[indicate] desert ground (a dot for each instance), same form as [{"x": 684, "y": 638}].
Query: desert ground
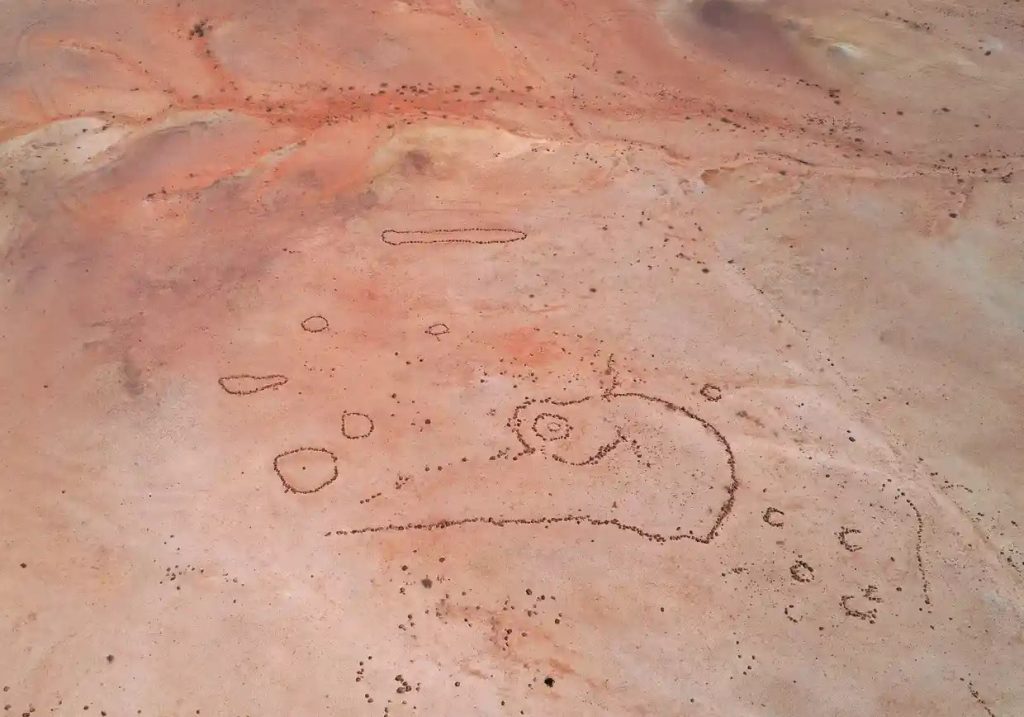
[{"x": 512, "y": 357}]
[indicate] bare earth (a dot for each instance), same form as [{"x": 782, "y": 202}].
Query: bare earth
[{"x": 501, "y": 357}]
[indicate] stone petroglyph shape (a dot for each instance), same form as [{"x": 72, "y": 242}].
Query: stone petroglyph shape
[
  {"x": 770, "y": 518},
  {"x": 306, "y": 470},
  {"x": 551, "y": 427},
  {"x": 315, "y": 324},
  {"x": 437, "y": 330},
  {"x": 801, "y": 572},
  {"x": 711, "y": 392},
  {"x": 245, "y": 384},
  {"x": 356, "y": 425},
  {"x": 470, "y": 235},
  {"x": 844, "y": 539},
  {"x": 870, "y": 593}
]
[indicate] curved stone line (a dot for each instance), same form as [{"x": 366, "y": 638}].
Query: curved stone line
[
  {"x": 801, "y": 571},
  {"x": 599, "y": 454},
  {"x": 768, "y": 516},
  {"x": 711, "y": 392},
  {"x": 451, "y": 236},
  {"x": 578, "y": 518},
  {"x": 925, "y": 584},
  {"x": 844, "y": 539},
  {"x": 561, "y": 432}
]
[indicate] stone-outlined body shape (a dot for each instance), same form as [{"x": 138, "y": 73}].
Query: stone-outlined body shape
[
  {"x": 543, "y": 429},
  {"x": 245, "y": 384},
  {"x": 657, "y": 434},
  {"x": 469, "y": 235}
]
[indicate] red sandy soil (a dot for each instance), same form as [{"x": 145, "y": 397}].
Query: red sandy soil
[{"x": 501, "y": 357}]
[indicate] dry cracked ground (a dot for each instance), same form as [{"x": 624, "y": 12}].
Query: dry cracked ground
[{"x": 512, "y": 357}]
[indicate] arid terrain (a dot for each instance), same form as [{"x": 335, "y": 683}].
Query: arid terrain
[{"x": 512, "y": 357}]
